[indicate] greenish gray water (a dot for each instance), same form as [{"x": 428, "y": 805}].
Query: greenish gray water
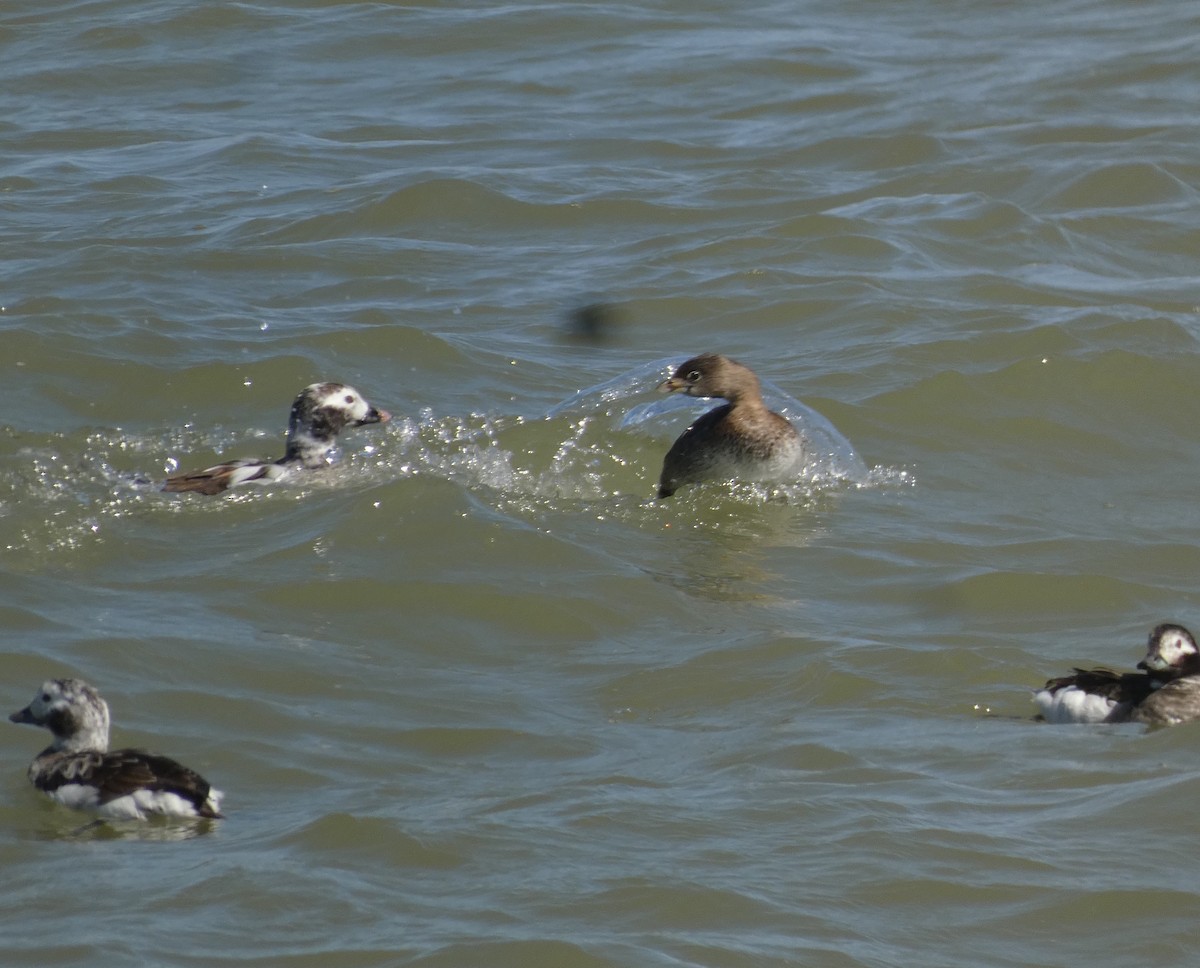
[{"x": 474, "y": 699}]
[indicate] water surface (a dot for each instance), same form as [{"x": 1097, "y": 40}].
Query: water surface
[{"x": 474, "y": 697}]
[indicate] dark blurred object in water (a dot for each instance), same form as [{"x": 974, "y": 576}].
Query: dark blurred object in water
[{"x": 595, "y": 322}]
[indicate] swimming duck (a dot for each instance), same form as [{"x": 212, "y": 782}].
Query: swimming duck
[
  {"x": 318, "y": 415},
  {"x": 742, "y": 439},
  {"x": 1166, "y": 692},
  {"x": 79, "y": 771}
]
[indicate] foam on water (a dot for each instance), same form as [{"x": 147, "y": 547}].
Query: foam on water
[{"x": 600, "y": 449}]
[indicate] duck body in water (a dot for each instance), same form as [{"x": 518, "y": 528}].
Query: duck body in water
[
  {"x": 318, "y": 415},
  {"x": 742, "y": 440}
]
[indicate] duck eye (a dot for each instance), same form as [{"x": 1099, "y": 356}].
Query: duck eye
[
  {"x": 693, "y": 376},
  {"x": 349, "y": 398},
  {"x": 45, "y": 697}
]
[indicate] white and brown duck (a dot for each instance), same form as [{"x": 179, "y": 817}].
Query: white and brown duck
[
  {"x": 741, "y": 440},
  {"x": 78, "y": 770},
  {"x": 319, "y": 414},
  {"x": 1166, "y": 692}
]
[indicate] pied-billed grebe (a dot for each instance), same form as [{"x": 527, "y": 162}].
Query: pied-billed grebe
[
  {"x": 1165, "y": 693},
  {"x": 742, "y": 439},
  {"x": 318, "y": 415},
  {"x": 78, "y": 771}
]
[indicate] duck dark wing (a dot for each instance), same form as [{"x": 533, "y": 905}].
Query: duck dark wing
[
  {"x": 200, "y": 482},
  {"x": 66, "y": 769},
  {"x": 215, "y": 480},
  {"x": 1121, "y": 687},
  {"x": 122, "y": 772},
  {"x": 695, "y": 451}
]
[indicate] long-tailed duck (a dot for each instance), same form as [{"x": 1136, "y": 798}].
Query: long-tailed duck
[
  {"x": 79, "y": 771},
  {"x": 742, "y": 439},
  {"x": 1165, "y": 693},
  {"x": 318, "y": 415}
]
